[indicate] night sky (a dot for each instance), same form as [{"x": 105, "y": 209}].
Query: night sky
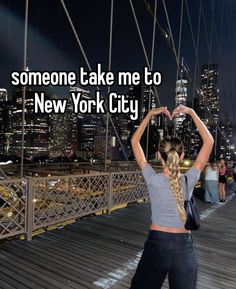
[{"x": 52, "y": 45}]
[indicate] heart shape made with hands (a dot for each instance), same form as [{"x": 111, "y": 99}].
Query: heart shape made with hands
[{"x": 178, "y": 110}]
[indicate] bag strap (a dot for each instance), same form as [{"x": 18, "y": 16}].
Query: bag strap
[{"x": 186, "y": 183}]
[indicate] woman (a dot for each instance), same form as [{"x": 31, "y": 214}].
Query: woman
[
  {"x": 211, "y": 183},
  {"x": 169, "y": 248},
  {"x": 234, "y": 176},
  {"x": 222, "y": 179}
]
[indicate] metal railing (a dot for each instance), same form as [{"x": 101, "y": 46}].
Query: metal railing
[
  {"x": 29, "y": 204},
  {"x": 127, "y": 187},
  {"x": 12, "y": 207}
]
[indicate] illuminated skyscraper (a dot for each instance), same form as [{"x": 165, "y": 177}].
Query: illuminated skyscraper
[
  {"x": 209, "y": 100},
  {"x": 181, "y": 94},
  {"x": 36, "y": 140},
  {"x": 225, "y": 149},
  {"x": 57, "y": 133},
  {"x": 5, "y": 123},
  {"x": 209, "y": 95},
  {"x": 87, "y": 127}
]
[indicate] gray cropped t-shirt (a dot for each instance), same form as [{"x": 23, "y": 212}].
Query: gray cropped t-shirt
[{"x": 163, "y": 204}]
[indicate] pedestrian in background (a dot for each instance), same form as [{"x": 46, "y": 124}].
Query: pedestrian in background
[
  {"x": 211, "y": 183},
  {"x": 222, "y": 179},
  {"x": 234, "y": 177}
]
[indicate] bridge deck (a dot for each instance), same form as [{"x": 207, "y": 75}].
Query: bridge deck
[{"x": 103, "y": 251}]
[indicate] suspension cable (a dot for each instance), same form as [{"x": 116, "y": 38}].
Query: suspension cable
[
  {"x": 219, "y": 44},
  {"x": 221, "y": 28},
  {"x": 172, "y": 40},
  {"x": 152, "y": 60},
  {"x": 197, "y": 47},
  {"x": 143, "y": 45},
  {"x": 180, "y": 33},
  {"x": 205, "y": 28},
  {"x": 191, "y": 29},
  {"x": 179, "y": 48},
  {"x": 210, "y": 43},
  {"x": 170, "y": 32},
  {"x": 230, "y": 65},
  {"x": 109, "y": 88},
  {"x": 24, "y": 88},
  {"x": 196, "y": 66},
  {"x": 90, "y": 69}
]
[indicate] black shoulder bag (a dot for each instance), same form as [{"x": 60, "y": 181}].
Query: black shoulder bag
[{"x": 192, "y": 212}]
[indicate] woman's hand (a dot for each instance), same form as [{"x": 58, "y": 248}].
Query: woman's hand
[
  {"x": 159, "y": 110},
  {"x": 181, "y": 109}
]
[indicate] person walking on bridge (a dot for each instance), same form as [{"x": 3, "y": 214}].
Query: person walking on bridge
[
  {"x": 169, "y": 248},
  {"x": 211, "y": 183},
  {"x": 223, "y": 169}
]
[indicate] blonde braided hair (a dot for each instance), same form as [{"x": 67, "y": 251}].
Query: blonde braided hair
[{"x": 171, "y": 149}]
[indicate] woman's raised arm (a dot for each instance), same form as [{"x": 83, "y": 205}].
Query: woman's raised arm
[
  {"x": 206, "y": 136},
  {"x": 135, "y": 141}
]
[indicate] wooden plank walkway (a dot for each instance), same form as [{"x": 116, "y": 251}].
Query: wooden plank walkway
[{"x": 103, "y": 251}]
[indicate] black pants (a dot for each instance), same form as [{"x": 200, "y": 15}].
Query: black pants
[{"x": 167, "y": 253}]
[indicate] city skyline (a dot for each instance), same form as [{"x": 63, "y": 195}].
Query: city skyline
[
  {"x": 51, "y": 44},
  {"x": 78, "y": 135}
]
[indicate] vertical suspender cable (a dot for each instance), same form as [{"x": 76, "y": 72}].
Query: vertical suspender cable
[
  {"x": 180, "y": 34},
  {"x": 211, "y": 36},
  {"x": 9, "y": 36},
  {"x": 197, "y": 47},
  {"x": 173, "y": 48},
  {"x": 90, "y": 69},
  {"x": 152, "y": 60},
  {"x": 76, "y": 34},
  {"x": 170, "y": 31},
  {"x": 179, "y": 47},
  {"x": 229, "y": 47},
  {"x": 209, "y": 62},
  {"x": 221, "y": 27},
  {"x": 208, "y": 43},
  {"x": 219, "y": 55},
  {"x": 205, "y": 28},
  {"x": 24, "y": 88},
  {"x": 109, "y": 88},
  {"x": 143, "y": 46},
  {"x": 140, "y": 34},
  {"x": 220, "y": 48},
  {"x": 172, "y": 40},
  {"x": 195, "y": 71}
]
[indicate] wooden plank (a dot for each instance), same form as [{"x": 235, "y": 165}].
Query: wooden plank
[{"x": 105, "y": 247}]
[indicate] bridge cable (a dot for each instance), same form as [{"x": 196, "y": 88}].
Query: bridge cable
[
  {"x": 90, "y": 69},
  {"x": 169, "y": 26},
  {"x": 196, "y": 66},
  {"x": 109, "y": 88},
  {"x": 152, "y": 60},
  {"x": 172, "y": 48},
  {"x": 24, "y": 88},
  {"x": 143, "y": 45},
  {"x": 179, "y": 48},
  {"x": 230, "y": 63}
]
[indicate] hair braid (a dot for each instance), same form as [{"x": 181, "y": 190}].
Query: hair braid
[
  {"x": 171, "y": 149},
  {"x": 175, "y": 181}
]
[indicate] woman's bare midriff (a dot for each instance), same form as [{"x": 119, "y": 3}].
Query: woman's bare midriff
[{"x": 169, "y": 229}]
